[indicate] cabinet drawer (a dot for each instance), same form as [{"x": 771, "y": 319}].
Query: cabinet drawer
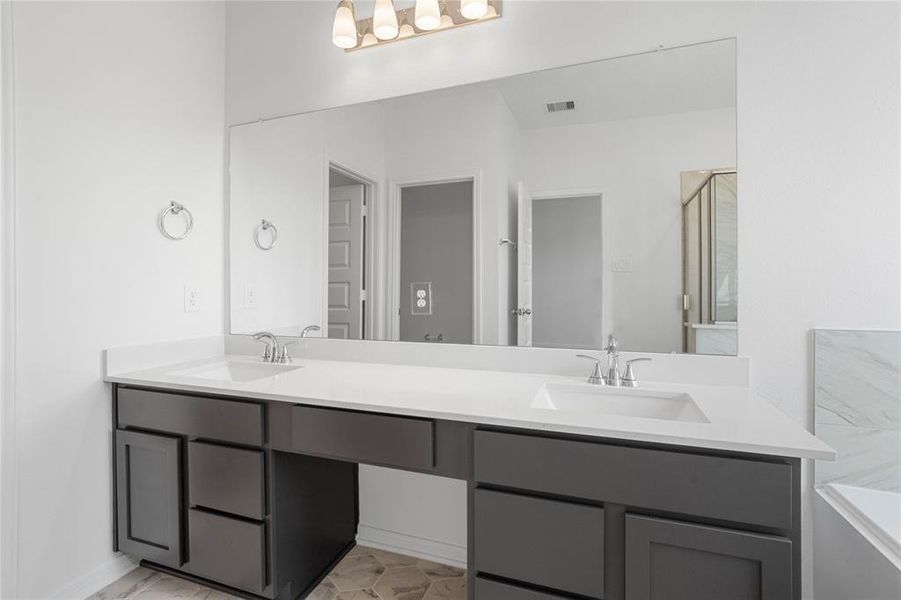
[
  {"x": 487, "y": 589},
  {"x": 226, "y": 479},
  {"x": 732, "y": 489},
  {"x": 210, "y": 418},
  {"x": 363, "y": 437},
  {"x": 230, "y": 551},
  {"x": 553, "y": 544}
]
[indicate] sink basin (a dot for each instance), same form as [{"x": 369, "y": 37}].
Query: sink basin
[
  {"x": 237, "y": 371},
  {"x": 596, "y": 400}
]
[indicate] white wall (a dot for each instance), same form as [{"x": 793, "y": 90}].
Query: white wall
[
  {"x": 279, "y": 171},
  {"x": 818, "y": 135},
  {"x": 635, "y": 163},
  {"x": 118, "y": 109}
]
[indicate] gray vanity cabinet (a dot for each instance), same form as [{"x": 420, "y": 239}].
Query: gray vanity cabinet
[
  {"x": 670, "y": 560},
  {"x": 148, "y": 496}
]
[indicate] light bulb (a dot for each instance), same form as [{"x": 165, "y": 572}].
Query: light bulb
[
  {"x": 446, "y": 21},
  {"x": 384, "y": 20},
  {"x": 473, "y": 9},
  {"x": 344, "y": 29},
  {"x": 428, "y": 15}
]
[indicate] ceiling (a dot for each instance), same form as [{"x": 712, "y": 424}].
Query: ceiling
[{"x": 690, "y": 78}]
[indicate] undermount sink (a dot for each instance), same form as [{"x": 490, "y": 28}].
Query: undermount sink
[
  {"x": 645, "y": 404},
  {"x": 238, "y": 371}
]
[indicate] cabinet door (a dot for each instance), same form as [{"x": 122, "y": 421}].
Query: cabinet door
[
  {"x": 670, "y": 560},
  {"x": 148, "y": 496}
]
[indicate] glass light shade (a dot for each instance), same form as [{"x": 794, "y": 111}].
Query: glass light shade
[
  {"x": 369, "y": 39},
  {"x": 491, "y": 12},
  {"x": 428, "y": 15},
  {"x": 473, "y": 9},
  {"x": 344, "y": 28},
  {"x": 406, "y": 30},
  {"x": 384, "y": 20},
  {"x": 446, "y": 21}
]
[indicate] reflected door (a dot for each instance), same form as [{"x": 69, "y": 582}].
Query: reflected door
[
  {"x": 524, "y": 269},
  {"x": 345, "y": 262}
]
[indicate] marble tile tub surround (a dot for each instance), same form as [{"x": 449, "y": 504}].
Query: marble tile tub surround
[
  {"x": 857, "y": 391},
  {"x": 364, "y": 574}
]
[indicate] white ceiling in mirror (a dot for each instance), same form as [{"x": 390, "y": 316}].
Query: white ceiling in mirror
[{"x": 699, "y": 77}]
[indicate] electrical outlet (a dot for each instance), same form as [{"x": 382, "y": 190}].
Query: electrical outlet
[
  {"x": 192, "y": 298},
  {"x": 622, "y": 265},
  {"x": 250, "y": 296}
]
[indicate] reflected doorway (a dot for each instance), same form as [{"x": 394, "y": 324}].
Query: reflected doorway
[
  {"x": 348, "y": 202},
  {"x": 437, "y": 300}
]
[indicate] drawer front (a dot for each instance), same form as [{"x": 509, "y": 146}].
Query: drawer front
[
  {"x": 210, "y": 418},
  {"x": 230, "y": 551},
  {"x": 226, "y": 479},
  {"x": 553, "y": 544},
  {"x": 487, "y": 589},
  {"x": 743, "y": 491},
  {"x": 364, "y": 437}
]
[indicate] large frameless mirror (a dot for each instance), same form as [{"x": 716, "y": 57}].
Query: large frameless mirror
[{"x": 549, "y": 209}]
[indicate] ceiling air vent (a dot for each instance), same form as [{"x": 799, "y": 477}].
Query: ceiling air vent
[{"x": 558, "y": 106}]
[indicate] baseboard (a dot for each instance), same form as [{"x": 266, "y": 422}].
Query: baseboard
[
  {"x": 411, "y": 545},
  {"x": 96, "y": 580}
]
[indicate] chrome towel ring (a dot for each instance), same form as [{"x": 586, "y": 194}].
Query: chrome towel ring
[
  {"x": 273, "y": 235},
  {"x": 176, "y": 209}
]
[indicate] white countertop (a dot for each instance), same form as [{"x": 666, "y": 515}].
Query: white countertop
[{"x": 738, "y": 420}]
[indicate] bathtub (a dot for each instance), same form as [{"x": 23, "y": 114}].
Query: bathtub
[{"x": 857, "y": 544}]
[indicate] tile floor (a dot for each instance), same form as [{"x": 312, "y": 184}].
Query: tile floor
[{"x": 364, "y": 574}]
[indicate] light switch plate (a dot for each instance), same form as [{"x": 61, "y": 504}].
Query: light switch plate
[
  {"x": 192, "y": 298},
  {"x": 250, "y": 296},
  {"x": 622, "y": 265},
  {"x": 421, "y": 298}
]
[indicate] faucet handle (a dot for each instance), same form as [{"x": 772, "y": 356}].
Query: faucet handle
[
  {"x": 595, "y": 378},
  {"x": 285, "y": 357},
  {"x": 629, "y": 379}
]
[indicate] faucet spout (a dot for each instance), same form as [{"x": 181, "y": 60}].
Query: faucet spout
[{"x": 271, "y": 352}]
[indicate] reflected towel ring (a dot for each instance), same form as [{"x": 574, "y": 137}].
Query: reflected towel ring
[
  {"x": 265, "y": 226},
  {"x": 175, "y": 208}
]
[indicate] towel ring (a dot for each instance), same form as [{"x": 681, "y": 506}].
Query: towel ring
[
  {"x": 264, "y": 226},
  {"x": 175, "y": 208}
]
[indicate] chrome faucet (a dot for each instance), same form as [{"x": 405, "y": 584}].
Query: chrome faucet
[
  {"x": 308, "y": 329},
  {"x": 612, "y": 376},
  {"x": 270, "y": 354}
]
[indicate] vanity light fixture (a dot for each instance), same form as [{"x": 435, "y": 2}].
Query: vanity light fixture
[
  {"x": 388, "y": 24},
  {"x": 384, "y": 20}
]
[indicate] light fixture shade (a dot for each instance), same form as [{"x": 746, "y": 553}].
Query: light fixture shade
[
  {"x": 446, "y": 21},
  {"x": 344, "y": 28},
  {"x": 384, "y": 20},
  {"x": 428, "y": 15},
  {"x": 406, "y": 30},
  {"x": 473, "y": 9}
]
